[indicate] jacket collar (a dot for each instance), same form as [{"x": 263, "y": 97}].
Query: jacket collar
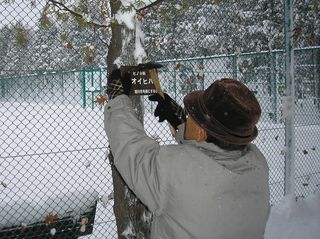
[{"x": 211, "y": 149}]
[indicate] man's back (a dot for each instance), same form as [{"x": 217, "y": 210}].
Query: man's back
[
  {"x": 195, "y": 190},
  {"x": 212, "y": 193}
]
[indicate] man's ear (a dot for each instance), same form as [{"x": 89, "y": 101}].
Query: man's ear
[{"x": 202, "y": 135}]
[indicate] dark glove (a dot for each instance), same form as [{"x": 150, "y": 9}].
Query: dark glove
[
  {"x": 118, "y": 84},
  {"x": 168, "y": 109}
]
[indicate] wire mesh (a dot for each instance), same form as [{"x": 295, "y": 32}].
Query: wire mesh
[
  {"x": 53, "y": 165},
  {"x": 263, "y": 73},
  {"x": 307, "y": 168},
  {"x": 55, "y": 180}
]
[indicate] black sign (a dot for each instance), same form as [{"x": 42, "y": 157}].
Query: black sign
[{"x": 142, "y": 83}]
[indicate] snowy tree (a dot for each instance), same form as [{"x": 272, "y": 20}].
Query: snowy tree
[
  {"x": 306, "y": 23},
  {"x": 215, "y": 27},
  {"x": 15, "y": 43}
]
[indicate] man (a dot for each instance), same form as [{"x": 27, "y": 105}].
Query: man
[{"x": 214, "y": 184}]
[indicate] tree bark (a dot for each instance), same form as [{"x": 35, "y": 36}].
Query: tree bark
[{"x": 133, "y": 219}]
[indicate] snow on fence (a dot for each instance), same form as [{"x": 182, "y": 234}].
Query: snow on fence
[{"x": 53, "y": 147}]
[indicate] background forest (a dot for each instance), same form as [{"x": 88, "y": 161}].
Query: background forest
[{"x": 205, "y": 28}]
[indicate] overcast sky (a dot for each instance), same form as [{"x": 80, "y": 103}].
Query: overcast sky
[{"x": 20, "y": 10}]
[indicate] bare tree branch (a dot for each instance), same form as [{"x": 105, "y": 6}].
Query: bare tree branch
[
  {"x": 74, "y": 13},
  {"x": 63, "y": 7},
  {"x": 150, "y": 5}
]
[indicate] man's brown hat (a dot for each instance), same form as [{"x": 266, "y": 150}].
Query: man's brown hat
[{"x": 227, "y": 110}]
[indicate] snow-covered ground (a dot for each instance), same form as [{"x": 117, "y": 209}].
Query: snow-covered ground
[
  {"x": 291, "y": 219},
  {"x": 53, "y": 160}
]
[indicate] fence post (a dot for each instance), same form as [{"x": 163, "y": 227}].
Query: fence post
[
  {"x": 273, "y": 77},
  {"x": 316, "y": 62},
  {"x": 203, "y": 75},
  {"x": 3, "y": 92},
  {"x": 92, "y": 85},
  {"x": 84, "y": 105},
  {"x": 289, "y": 187},
  {"x": 175, "y": 82},
  {"x": 235, "y": 68}
]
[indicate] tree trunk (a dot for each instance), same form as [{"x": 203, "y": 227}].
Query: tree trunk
[{"x": 133, "y": 219}]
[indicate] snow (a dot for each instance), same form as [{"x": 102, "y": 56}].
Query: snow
[
  {"x": 59, "y": 176},
  {"x": 291, "y": 219},
  {"x": 139, "y": 52},
  {"x": 47, "y": 162},
  {"x": 136, "y": 3},
  {"x": 127, "y": 18},
  {"x": 22, "y": 210},
  {"x": 127, "y": 15},
  {"x": 53, "y": 231},
  {"x": 128, "y": 232}
]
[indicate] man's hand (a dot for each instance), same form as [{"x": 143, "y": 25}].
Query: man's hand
[
  {"x": 168, "y": 109},
  {"x": 118, "y": 84}
]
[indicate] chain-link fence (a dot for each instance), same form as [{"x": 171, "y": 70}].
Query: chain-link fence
[
  {"x": 263, "y": 73},
  {"x": 307, "y": 121},
  {"x": 53, "y": 166},
  {"x": 55, "y": 179}
]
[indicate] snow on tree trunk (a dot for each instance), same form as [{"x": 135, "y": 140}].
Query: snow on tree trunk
[{"x": 133, "y": 219}]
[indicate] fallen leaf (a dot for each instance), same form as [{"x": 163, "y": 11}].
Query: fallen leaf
[
  {"x": 69, "y": 45},
  {"x": 200, "y": 77},
  {"x": 177, "y": 66},
  {"x": 249, "y": 65},
  {"x": 143, "y": 13},
  {"x": 189, "y": 82},
  {"x": 310, "y": 40},
  {"x": 139, "y": 18},
  {"x": 277, "y": 137},
  {"x": 100, "y": 100},
  {"x": 51, "y": 219}
]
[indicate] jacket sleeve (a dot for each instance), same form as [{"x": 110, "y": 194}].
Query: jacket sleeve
[{"x": 136, "y": 156}]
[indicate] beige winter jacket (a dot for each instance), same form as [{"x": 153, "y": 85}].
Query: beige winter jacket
[{"x": 196, "y": 189}]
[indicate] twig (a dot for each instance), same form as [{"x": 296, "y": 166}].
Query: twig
[
  {"x": 150, "y": 5},
  {"x": 65, "y": 8}
]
